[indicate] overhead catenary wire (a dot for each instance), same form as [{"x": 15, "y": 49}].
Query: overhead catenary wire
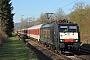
[{"x": 69, "y": 3}]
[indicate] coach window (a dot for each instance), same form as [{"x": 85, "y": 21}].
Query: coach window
[
  {"x": 34, "y": 31},
  {"x": 37, "y": 32},
  {"x": 29, "y": 32}
]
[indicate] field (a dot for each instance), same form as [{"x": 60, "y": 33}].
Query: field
[{"x": 13, "y": 49}]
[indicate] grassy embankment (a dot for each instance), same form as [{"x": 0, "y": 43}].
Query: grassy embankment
[{"x": 13, "y": 49}]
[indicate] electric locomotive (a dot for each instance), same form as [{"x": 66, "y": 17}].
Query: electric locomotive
[{"x": 60, "y": 35}]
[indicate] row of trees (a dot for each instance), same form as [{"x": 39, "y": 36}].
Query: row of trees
[
  {"x": 44, "y": 18},
  {"x": 6, "y": 17},
  {"x": 80, "y": 14},
  {"x": 27, "y": 22}
]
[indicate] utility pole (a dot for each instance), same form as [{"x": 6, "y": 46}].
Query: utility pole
[
  {"x": 21, "y": 21},
  {"x": 22, "y": 17},
  {"x": 29, "y": 21}
]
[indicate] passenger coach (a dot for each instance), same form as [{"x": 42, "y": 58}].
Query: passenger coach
[{"x": 34, "y": 32}]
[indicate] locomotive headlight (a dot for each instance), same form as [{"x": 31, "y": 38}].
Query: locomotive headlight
[
  {"x": 61, "y": 40},
  {"x": 76, "y": 40}
]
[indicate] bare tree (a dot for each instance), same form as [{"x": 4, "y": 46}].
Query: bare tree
[
  {"x": 60, "y": 14},
  {"x": 43, "y": 18}
]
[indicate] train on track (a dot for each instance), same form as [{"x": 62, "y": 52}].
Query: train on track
[{"x": 60, "y": 35}]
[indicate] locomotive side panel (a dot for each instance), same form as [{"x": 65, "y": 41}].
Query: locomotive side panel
[
  {"x": 45, "y": 33},
  {"x": 46, "y": 37}
]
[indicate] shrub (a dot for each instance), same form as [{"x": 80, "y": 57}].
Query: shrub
[{"x": 3, "y": 37}]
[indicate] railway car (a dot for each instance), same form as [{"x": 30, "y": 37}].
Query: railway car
[
  {"x": 60, "y": 35},
  {"x": 18, "y": 32},
  {"x": 34, "y": 32},
  {"x": 23, "y": 33}
]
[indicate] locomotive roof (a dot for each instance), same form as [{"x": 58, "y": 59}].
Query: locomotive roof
[
  {"x": 67, "y": 23},
  {"x": 48, "y": 25}
]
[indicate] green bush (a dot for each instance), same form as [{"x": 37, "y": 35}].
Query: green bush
[{"x": 3, "y": 37}]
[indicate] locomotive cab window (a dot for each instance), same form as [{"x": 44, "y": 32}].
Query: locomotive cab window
[
  {"x": 63, "y": 28},
  {"x": 69, "y": 28},
  {"x": 72, "y": 28}
]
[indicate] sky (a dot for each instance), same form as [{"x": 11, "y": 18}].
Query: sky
[{"x": 33, "y": 8}]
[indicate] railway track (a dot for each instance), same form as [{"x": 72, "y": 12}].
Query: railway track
[
  {"x": 48, "y": 54},
  {"x": 85, "y": 50},
  {"x": 83, "y": 54},
  {"x": 51, "y": 54}
]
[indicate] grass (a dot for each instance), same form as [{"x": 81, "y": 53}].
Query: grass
[{"x": 13, "y": 49}]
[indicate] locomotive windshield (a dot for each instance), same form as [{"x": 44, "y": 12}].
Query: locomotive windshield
[
  {"x": 63, "y": 28},
  {"x": 72, "y": 28},
  {"x": 68, "y": 28}
]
